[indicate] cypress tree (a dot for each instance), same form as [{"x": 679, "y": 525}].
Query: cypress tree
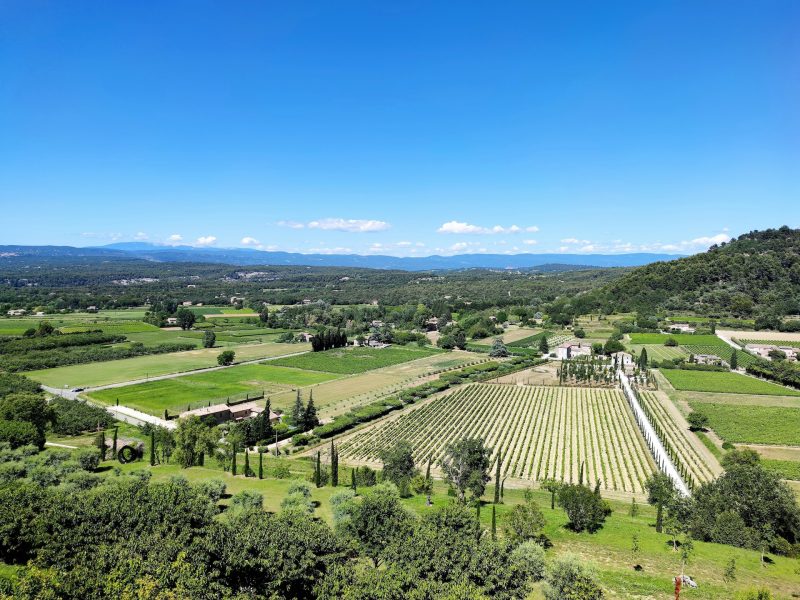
[
  {"x": 497, "y": 480},
  {"x": 494, "y": 523},
  {"x": 310, "y": 419},
  {"x": 152, "y": 448},
  {"x": 318, "y": 471},
  {"x": 233, "y": 463},
  {"x": 260, "y": 464},
  {"x": 353, "y": 480},
  {"x": 334, "y": 477},
  {"x": 502, "y": 488},
  {"x": 297, "y": 411},
  {"x": 580, "y": 474},
  {"x": 246, "y": 463},
  {"x": 100, "y": 442},
  {"x": 114, "y": 446},
  {"x": 266, "y": 425},
  {"x": 734, "y": 360},
  {"x": 201, "y": 461}
]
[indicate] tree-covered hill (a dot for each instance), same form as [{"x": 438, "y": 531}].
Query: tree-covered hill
[{"x": 756, "y": 274}]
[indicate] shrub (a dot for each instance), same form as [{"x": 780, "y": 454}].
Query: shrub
[
  {"x": 248, "y": 500},
  {"x": 226, "y": 357},
  {"x": 19, "y": 433},
  {"x": 586, "y": 509},
  {"x": 569, "y": 578},
  {"x": 73, "y": 416},
  {"x": 88, "y": 458},
  {"x": 528, "y": 559},
  {"x": 213, "y": 488}
]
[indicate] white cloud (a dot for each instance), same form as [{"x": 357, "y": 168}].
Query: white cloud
[
  {"x": 530, "y": 242},
  {"x": 141, "y": 236},
  {"x": 175, "y": 238},
  {"x": 206, "y": 240},
  {"x": 574, "y": 241},
  {"x": 349, "y": 225},
  {"x": 290, "y": 224},
  {"x": 720, "y": 238},
  {"x": 458, "y": 247},
  {"x": 249, "y": 241},
  {"x": 460, "y": 227},
  {"x": 329, "y": 251}
]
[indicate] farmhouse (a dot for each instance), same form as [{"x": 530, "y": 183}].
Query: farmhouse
[
  {"x": 172, "y": 320},
  {"x": 222, "y": 413},
  {"x": 305, "y": 336},
  {"x": 432, "y": 324},
  {"x": 682, "y": 328},
  {"x": 186, "y": 303},
  {"x": 622, "y": 359},
  {"x": 569, "y": 350},
  {"x": 763, "y": 350},
  {"x": 709, "y": 359},
  {"x": 235, "y": 299},
  {"x": 91, "y": 309},
  {"x": 17, "y": 312}
]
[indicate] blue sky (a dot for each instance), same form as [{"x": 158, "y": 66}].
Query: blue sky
[{"x": 406, "y": 128}]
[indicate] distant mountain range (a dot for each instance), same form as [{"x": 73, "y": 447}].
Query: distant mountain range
[{"x": 249, "y": 256}]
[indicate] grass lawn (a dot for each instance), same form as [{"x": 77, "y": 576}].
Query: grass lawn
[
  {"x": 181, "y": 393},
  {"x": 116, "y": 371},
  {"x": 160, "y": 336},
  {"x": 353, "y": 360},
  {"x": 724, "y": 382},
  {"x": 752, "y": 424},
  {"x": 681, "y": 338}
]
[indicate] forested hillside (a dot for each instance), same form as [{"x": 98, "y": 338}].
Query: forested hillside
[{"x": 756, "y": 274}]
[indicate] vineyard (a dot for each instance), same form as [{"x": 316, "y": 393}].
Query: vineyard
[
  {"x": 541, "y": 433},
  {"x": 675, "y": 438}
]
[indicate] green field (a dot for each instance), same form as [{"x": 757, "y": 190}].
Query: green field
[
  {"x": 682, "y": 338},
  {"x": 180, "y": 393},
  {"x": 787, "y": 469},
  {"x": 353, "y": 360},
  {"x": 659, "y": 352},
  {"x": 72, "y": 325},
  {"x": 752, "y": 424},
  {"x": 116, "y": 371},
  {"x": 724, "y": 382}
]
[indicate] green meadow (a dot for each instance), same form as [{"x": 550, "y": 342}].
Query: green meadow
[
  {"x": 749, "y": 424},
  {"x": 141, "y": 367},
  {"x": 353, "y": 360},
  {"x": 681, "y": 338},
  {"x": 193, "y": 391},
  {"x": 724, "y": 382}
]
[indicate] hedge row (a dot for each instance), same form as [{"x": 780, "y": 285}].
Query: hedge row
[
  {"x": 780, "y": 371},
  {"x": 67, "y": 340},
  {"x": 47, "y": 359}
]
